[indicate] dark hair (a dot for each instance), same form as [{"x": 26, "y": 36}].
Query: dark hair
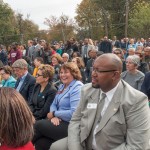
[
  {"x": 47, "y": 71},
  {"x": 53, "y": 47},
  {"x": 27, "y": 59},
  {"x": 73, "y": 68},
  {"x": 78, "y": 54},
  {"x": 7, "y": 69},
  {"x": 16, "y": 120},
  {"x": 39, "y": 59}
]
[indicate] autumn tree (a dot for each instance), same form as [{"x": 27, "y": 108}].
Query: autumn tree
[
  {"x": 6, "y": 22},
  {"x": 13, "y": 27},
  {"x": 26, "y": 28},
  {"x": 139, "y": 20},
  {"x": 89, "y": 19},
  {"x": 60, "y": 28}
]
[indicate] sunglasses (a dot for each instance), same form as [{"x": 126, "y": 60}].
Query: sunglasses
[{"x": 38, "y": 75}]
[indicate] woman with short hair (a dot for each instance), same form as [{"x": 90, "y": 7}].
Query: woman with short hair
[
  {"x": 16, "y": 121},
  {"x": 133, "y": 76},
  {"x": 7, "y": 79},
  {"x": 65, "y": 103},
  {"x": 43, "y": 93}
]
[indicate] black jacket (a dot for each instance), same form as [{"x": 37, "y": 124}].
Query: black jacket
[
  {"x": 105, "y": 46},
  {"x": 145, "y": 88},
  {"x": 27, "y": 87},
  {"x": 40, "y": 102},
  {"x": 3, "y": 57}
]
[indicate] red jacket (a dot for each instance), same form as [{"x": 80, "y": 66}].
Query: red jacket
[
  {"x": 15, "y": 55},
  {"x": 28, "y": 146}
]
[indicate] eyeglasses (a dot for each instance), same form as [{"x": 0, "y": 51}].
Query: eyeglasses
[
  {"x": 117, "y": 53},
  {"x": 101, "y": 71},
  {"x": 2, "y": 74},
  {"x": 38, "y": 75},
  {"x": 128, "y": 62}
]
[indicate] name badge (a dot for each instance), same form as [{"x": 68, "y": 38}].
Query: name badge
[{"x": 91, "y": 106}]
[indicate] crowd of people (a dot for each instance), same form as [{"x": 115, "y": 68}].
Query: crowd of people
[{"x": 61, "y": 87}]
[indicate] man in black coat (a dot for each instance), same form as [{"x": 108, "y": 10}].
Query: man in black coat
[
  {"x": 105, "y": 46},
  {"x": 25, "y": 81}
]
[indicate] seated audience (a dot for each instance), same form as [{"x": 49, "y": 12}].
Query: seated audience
[
  {"x": 43, "y": 92},
  {"x": 66, "y": 100},
  {"x": 7, "y": 79},
  {"x": 133, "y": 76},
  {"x": 111, "y": 115},
  {"x": 16, "y": 121}
]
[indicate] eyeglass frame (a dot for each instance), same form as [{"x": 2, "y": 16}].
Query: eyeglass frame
[
  {"x": 101, "y": 71},
  {"x": 38, "y": 75}
]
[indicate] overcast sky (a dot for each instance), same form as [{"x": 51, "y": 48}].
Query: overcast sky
[{"x": 41, "y": 9}]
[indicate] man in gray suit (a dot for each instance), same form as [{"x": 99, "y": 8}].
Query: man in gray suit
[
  {"x": 85, "y": 50},
  {"x": 118, "y": 121}
]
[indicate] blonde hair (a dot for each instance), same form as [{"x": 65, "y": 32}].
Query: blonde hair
[{"x": 47, "y": 71}]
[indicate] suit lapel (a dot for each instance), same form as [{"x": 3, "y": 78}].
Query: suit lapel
[
  {"x": 94, "y": 99},
  {"x": 112, "y": 108},
  {"x": 18, "y": 80},
  {"x": 24, "y": 83}
]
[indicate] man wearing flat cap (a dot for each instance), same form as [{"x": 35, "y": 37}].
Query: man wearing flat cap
[{"x": 25, "y": 81}]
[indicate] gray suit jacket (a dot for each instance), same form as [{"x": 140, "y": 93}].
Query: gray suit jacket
[
  {"x": 124, "y": 126},
  {"x": 90, "y": 47}
]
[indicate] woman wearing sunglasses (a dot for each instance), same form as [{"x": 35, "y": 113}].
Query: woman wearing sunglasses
[{"x": 43, "y": 93}]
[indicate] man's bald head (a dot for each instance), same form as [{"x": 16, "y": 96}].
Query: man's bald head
[
  {"x": 113, "y": 60},
  {"x": 106, "y": 73}
]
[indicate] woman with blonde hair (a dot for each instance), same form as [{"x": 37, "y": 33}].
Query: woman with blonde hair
[
  {"x": 16, "y": 121},
  {"x": 43, "y": 93}
]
